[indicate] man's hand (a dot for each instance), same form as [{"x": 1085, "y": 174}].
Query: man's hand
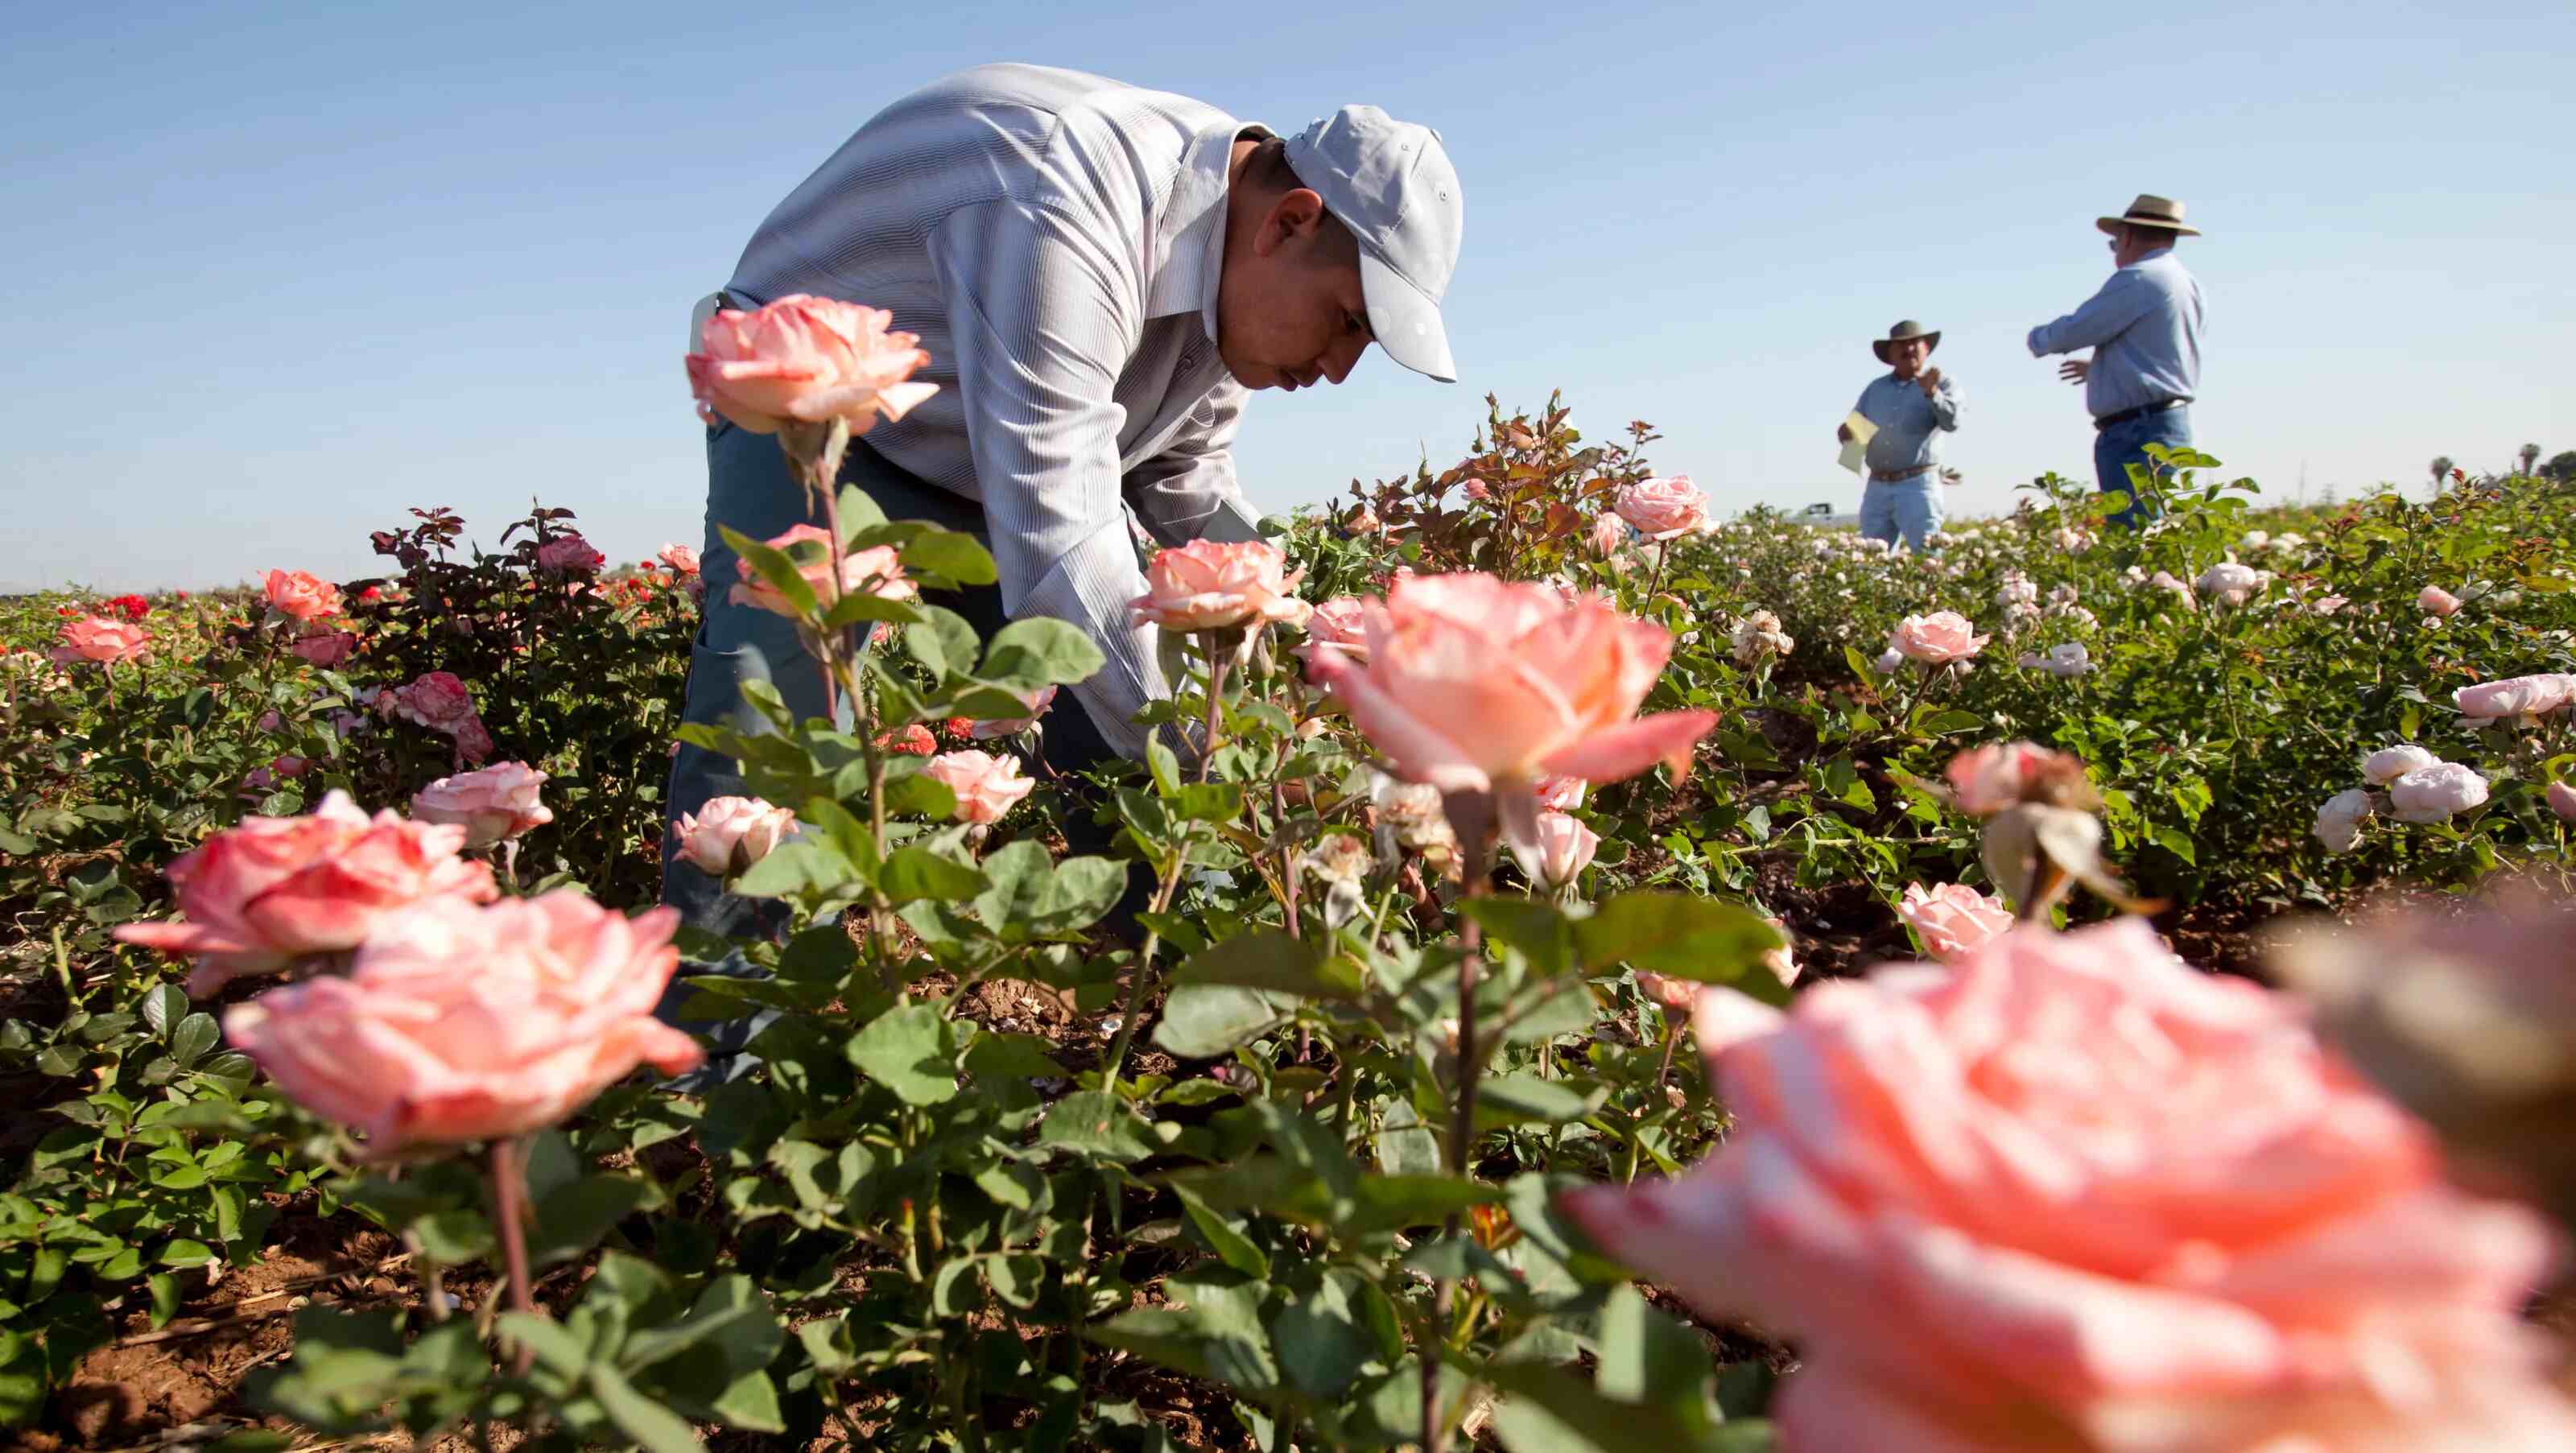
[
  {"x": 1929, "y": 380},
  {"x": 2074, "y": 369},
  {"x": 1842, "y": 433}
]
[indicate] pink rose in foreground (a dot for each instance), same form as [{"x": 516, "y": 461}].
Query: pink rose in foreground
[
  {"x": 2390, "y": 763},
  {"x": 2562, "y": 800},
  {"x": 1937, "y": 639},
  {"x": 1663, "y": 509},
  {"x": 877, "y": 571},
  {"x": 2071, "y": 1196},
  {"x": 1953, "y": 919},
  {"x": 1038, "y": 701},
  {"x": 1988, "y": 779},
  {"x": 1340, "y": 623},
  {"x": 2517, "y": 696},
  {"x": 679, "y": 557},
  {"x": 729, "y": 834},
  {"x": 459, "y": 1023},
  {"x": 2434, "y": 600},
  {"x": 806, "y": 360},
  {"x": 326, "y": 649},
  {"x": 1474, "y": 684},
  {"x": 1203, "y": 586},
  {"x": 300, "y": 595},
  {"x": 569, "y": 551},
  {"x": 263, "y": 894},
  {"x": 2435, "y": 793},
  {"x": 1563, "y": 850},
  {"x": 987, "y": 786},
  {"x": 105, "y": 641},
  {"x": 493, "y": 804}
]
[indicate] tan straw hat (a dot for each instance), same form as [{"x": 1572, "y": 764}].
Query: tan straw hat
[
  {"x": 1906, "y": 331},
  {"x": 2149, "y": 210}
]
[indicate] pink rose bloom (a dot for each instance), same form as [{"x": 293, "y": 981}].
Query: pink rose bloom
[
  {"x": 2517, "y": 696},
  {"x": 2390, "y": 763},
  {"x": 877, "y": 570},
  {"x": 1340, "y": 623},
  {"x": 1560, "y": 793},
  {"x": 986, "y": 786},
  {"x": 729, "y": 834},
  {"x": 2434, "y": 600},
  {"x": 806, "y": 360},
  {"x": 1474, "y": 684},
  {"x": 679, "y": 557},
  {"x": 569, "y": 551},
  {"x": 1038, "y": 701},
  {"x": 2436, "y": 793},
  {"x": 105, "y": 641},
  {"x": 2329, "y": 604},
  {"x": 290, "y": 766},
  {"x": 459, "y": 1023},
  {"x": 1203, "y": 586},
  {"x": 274, "y": 889},
  {"x": 2070, "y": 1196},
  {"x": 1937, "y": 639},
  {"x": 326, "y": 649},
  {"x": 1563, "y": 850},
  {"x": 1988, "y": 779},
  {"x": 1953, "y": 919},
  {"x": 1663, "y": 509},
  {"x": 2562, "y": 800},
  {"x": 437, "y": 700},
  {"x": 298, "y": 594},
  {"x": 493, "y": 804},
  {"x": 1607, "y": 534}
]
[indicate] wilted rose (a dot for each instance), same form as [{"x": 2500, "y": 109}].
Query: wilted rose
[
  {"x": 1758, "y": 637},
  {"x": 807, "y": 360},
  {"x": 877, "y": 571},
  {"x": 1953, "y": 919},
  {"x": 299, "y": 595},
  {"x": 2433, "y": 794},
  {"x": 569, "y": 551},
  {"x": 1937, "y": 639},
  {"x": 987, "y": 787},
  {"x": 729, "y": 834},
  {"x": 458, "y": 1023},
  {"x": 494, "y": 804},
  {"x": 2339, "y": 820},
  {"x": 1205, "y": 586},
  {"x": 2071, "y": 1196},
  {"x": 1663, "y": 509},
  {"x": 105, "y": 641}
]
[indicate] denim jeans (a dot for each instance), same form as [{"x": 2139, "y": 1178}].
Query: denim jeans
[
  {"x": 2125, "y": 443},
  {"x": 1910, "y": 508}
]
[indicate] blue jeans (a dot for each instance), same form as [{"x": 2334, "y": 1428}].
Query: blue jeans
[
  {"x": 1910, "y": 508},
  {"x": 2125, "y": 443}
]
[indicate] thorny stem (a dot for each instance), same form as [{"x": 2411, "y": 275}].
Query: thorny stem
[{"x": 510, "y": 1194}]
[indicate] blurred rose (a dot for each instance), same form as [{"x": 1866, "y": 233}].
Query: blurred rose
[
  {"x": 569, "y": 551},
  {"x": 1340, "y": 623},
  {"x": 1986, "y": 780},
  {"x": 1937, "y": 639},
  {"x": 2562, "y": 800},
  {"x": 1758, "y": 637},
  {"x": 912, "y": 741},
  {"x": 1340, "y": 857},
  {"x": 987, "y": 786},
  {"x": 1663, "y": 509},
  {"x": 439, "y": 701},
  {"x": 679, "y": 557},
  {"x": 1953, "y": 919},
  {"x": 877, "y": 571},
  {"x": 459, "y": 1023},
  {"x": 326, "y": 649},
  {"x": 2071, "y": 1196},
  {"x": 1560, "y": 793},
  {"x": 2433, "y": 794},
  {"x": 2070, "y": 659},
  {"x": 2390, "y": 763},
  {"x": 96, "y": 638},
  {"x": 298, "y": 594},
  {"x": 495, "y": 803},
  {"x": 1037, "y": 702},
  {"x": 2339, "y": 820},
  {"x": 2229, "y": 583},
  {"x": 1363, "y": 521},
  {"x": 2520, "y": 696},
  {"x": 2329, "y": 604},
  {"x": 1888, "y": 660},
  {"x": 806, "y": 359},
  {"x": 1563, "y": 850},
  {"x": 1203, "y": 586},
  {"x": 2434, "y": 600},
  {"x": 729, "y": 834},
  {"x": 289, "y": 766},
  {"x": 265, "y": 893}
]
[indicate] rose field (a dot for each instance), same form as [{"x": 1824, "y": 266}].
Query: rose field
[{"x": 1574, "y": 973}]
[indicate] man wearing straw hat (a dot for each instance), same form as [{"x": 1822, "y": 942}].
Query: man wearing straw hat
[
  {"x": 1912, "y": 406},
  {"x": 2144, "y": 330}
]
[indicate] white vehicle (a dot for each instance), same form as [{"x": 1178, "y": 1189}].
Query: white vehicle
[{"x": 1823, "y": 516}]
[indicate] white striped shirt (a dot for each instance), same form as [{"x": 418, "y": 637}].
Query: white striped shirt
[{"x": 1055, "y": 239}]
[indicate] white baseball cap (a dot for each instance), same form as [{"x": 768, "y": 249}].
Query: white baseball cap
[{"x": 1391, "y": 183}]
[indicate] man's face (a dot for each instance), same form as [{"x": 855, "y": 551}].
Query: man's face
[
  {"x": 2133, "y": 243},
  {"x": 1907, "y": 357},
  {"x": 1289, "y": 311}
]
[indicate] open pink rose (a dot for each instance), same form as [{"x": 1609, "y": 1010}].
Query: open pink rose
[
  {"x": 2433, "y": 600},
  {"x": 1663, "y": 509},
  {"x": 2070, "y": 1196},
  {"x": 1988, "y": 779},
  {"x": 300, "y": 595},
  {"x": 1472, "y": 684},
  {"x": 2390, "y": 763},
  {"x": 679, "y": 557},
  {"x": 1563, "y": 850},
  {"x": 806, "y": 360},
  {"x": 324, "y": 648},
  {"x": 1937, "y": 639},
  {"x": 986, "y": 786},
  {"x": 496, "y": 803},
  {"x": 2434, "y": 793},
  {"x": 105, "y": 641},
  {"x": 1204, "y": 586},
  {"x": 458, "y": 1023},
  {"x": 877, "y": 571},
  {"x": 441, "y": 702},
  {"x": 1340, "y": 623},
  {"x": 729, "y": 834},
  {"x": 274, "y": 889},
  {"x": 2489, "y": 702},
  {"x": 569, "y": 551},
  {"x": 1038, "y": 701},
  {"x": 1953, "y": 919}
]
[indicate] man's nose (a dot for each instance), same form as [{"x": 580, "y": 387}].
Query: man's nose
[{"x": 1341, "y": 358}]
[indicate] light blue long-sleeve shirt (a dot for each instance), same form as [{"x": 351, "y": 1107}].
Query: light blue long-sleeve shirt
[
  {"x": 2144, "y": 330},
  {"x": 1909, "y": 422}
]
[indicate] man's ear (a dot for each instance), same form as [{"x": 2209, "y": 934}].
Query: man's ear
[{"x": 1297, "y": 215}]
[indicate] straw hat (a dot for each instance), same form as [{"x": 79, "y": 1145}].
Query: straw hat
[
  {"x": 2149, "y": 210},
  {"x": 1906, "y": 331}
]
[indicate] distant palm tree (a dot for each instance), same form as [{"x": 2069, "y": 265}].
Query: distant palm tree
[
  {"x": 2530, "y": 457},
  {"x": 2441, "y": 469}
]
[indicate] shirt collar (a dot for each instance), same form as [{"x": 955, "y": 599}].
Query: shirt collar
[{"x": 1191, "y": 236}]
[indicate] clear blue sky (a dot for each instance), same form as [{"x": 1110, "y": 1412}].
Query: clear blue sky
[{"x": 278, "y": 271}]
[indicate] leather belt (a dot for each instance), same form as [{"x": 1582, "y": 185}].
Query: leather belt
[
  {"x": 1890, "y": 476},
  {"x": 2140, "y": 412}
]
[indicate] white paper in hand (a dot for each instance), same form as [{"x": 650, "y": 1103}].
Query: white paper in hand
[{"x": 1858, "y": 446}]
